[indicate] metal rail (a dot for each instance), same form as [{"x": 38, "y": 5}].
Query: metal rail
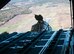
[
  {"x": 48, "y": 43},
  {"x": 72, "y": 42}
]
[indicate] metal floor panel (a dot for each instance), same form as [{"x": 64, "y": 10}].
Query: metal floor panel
[{"x": 54, "y": 42}]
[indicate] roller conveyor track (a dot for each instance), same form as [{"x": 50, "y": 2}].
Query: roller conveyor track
[
  {"x": 36, "y": 43},
  {"x": 59, "y": 44},
  {"x": 16, "y": 42}
]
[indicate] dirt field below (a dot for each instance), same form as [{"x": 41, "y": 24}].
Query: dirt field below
[{"x": 57, "y": 16}]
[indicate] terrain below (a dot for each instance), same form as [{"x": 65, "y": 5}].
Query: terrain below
[{"x": 58, "y": 16}]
